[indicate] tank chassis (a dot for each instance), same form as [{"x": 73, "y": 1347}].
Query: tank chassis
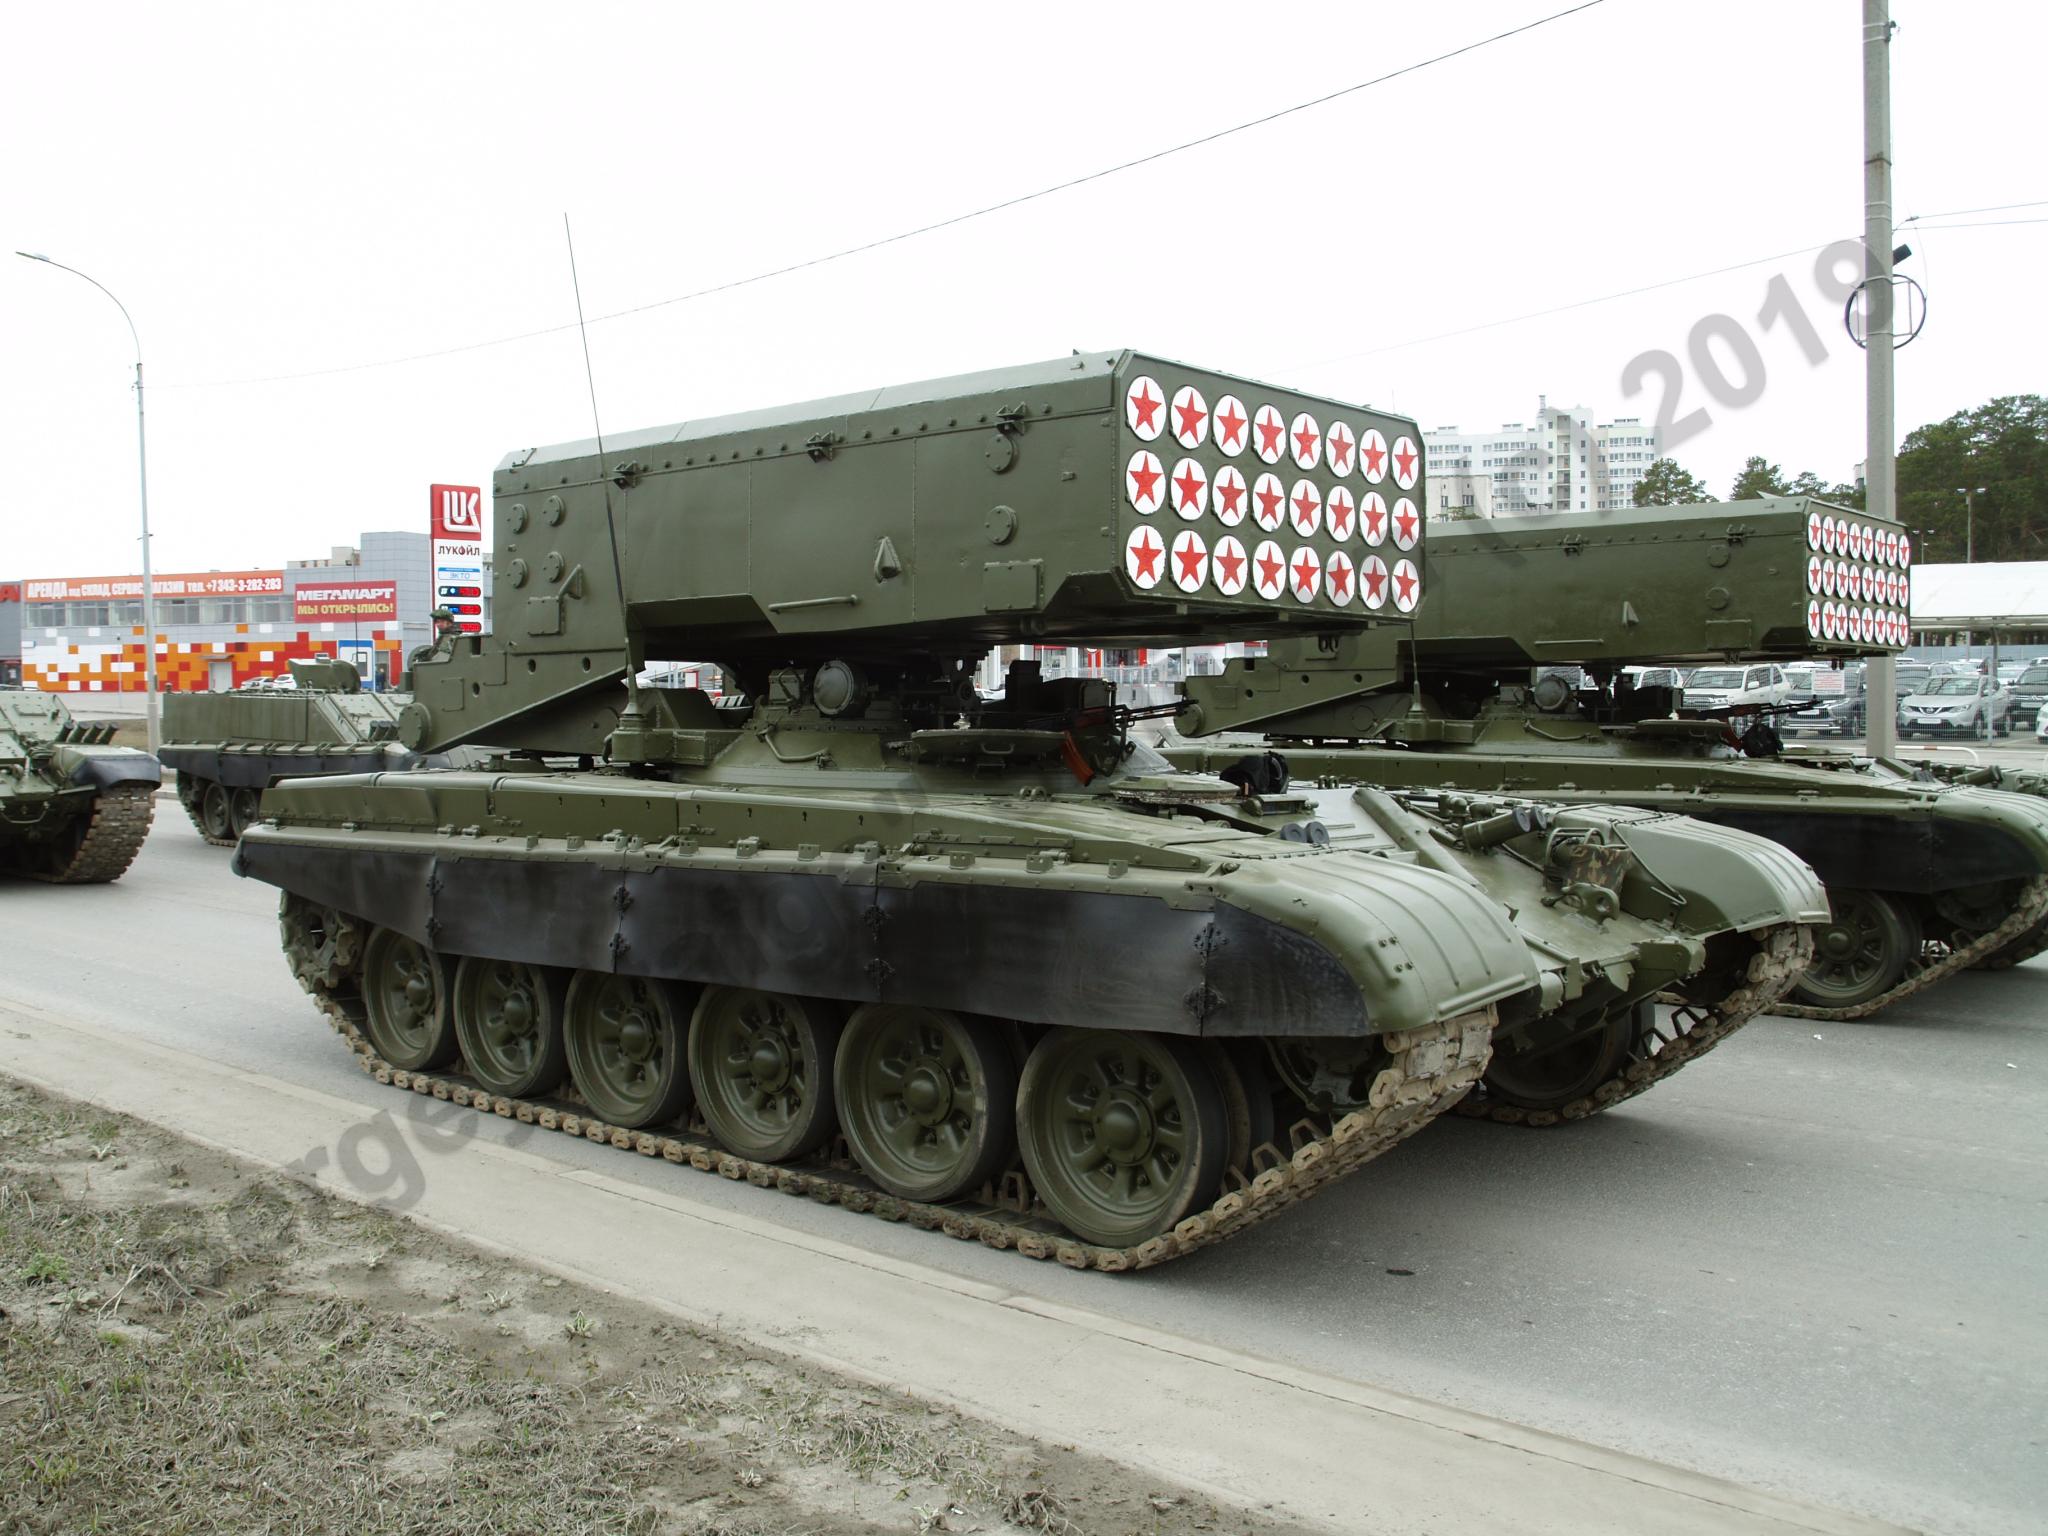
[
  {"x": 228, "y": 747},
  {"x": 74, "y": 808},
  {"x": 1924, "y": 878},
  {"x": 985, "y": 964}
]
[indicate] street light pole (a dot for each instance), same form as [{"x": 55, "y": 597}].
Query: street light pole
[
  {"x": 149, "y": 704},
  {"x": 1969, "y": 522}
]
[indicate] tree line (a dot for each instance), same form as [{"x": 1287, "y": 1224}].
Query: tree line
[{"x": 1998, "y": 452}]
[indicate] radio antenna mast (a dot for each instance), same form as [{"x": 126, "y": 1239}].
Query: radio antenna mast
[{"x": 633, "y": 657}]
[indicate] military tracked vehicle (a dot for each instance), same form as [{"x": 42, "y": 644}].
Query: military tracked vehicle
[
  {"x": 228, "y": 747},
  {"x": 74, "y": 808},
  {"x": 1924, "y": 878},
  {"x": 986, "y": 964}
]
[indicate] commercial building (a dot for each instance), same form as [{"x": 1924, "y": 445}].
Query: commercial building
[
  {"x": 369, "y": 603},
  {"x": 1563, "y": 461}
]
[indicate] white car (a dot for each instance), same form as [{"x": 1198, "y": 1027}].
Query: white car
[
  {"x": 1959, "y": 703},
  {"x": 1736, "y": 687}
]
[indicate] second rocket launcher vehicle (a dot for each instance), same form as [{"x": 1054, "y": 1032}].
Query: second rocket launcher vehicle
[{"x": 1924, "y": 878}]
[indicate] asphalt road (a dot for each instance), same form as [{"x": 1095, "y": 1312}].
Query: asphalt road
[{"x": 1814, "y": 1262}]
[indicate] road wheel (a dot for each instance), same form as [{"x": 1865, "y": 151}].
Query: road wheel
[
  {"x": 625, "y": 1046},
  {"x": 1124, "y": 1134},
  {"x": 927, "y": 1099},
  {"x": 762, "y": 1066},
  {"x": 217, "y": 813},
  {"x": 1861, "y": 952},
  {"x": 1536, "y": 1075},
  {"x": 406, "y": 998},
  {"x": 243, "y": 809},
  {"x": 508, "y": 1018}
]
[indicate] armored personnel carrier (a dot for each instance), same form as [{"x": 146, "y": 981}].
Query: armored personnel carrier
[
  {"x": 986, "y": 964},
  {"x": 1924, "y": 878},
  {"x": 74, "y": 808},
  {"x": 228, "y": 747}
]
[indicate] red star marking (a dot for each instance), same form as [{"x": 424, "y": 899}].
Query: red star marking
[
  {"x": 1230, "y": 565},
  {"x": 1269, "y": 506},
  {"x": 1270, "y": 433},
  {"x": 1340, "y": 580},
  {"x": 1148, "y": 552},
  {"x": 1340, "y": 449},
  {"x": 1374, "y": 516},
  {"x": 1187, "y": 485},
  {"x": 1404, "y": 581},
  {"x": 1340, "y": 516},
  {"x": 1229, "y": 492},
  {"x": 1143, "y": 480},
  {"x": 1190, "y": 559},
  {"x": 1404, "y": 463},
  {"x": 1191, "y": 418},
  {"x": 1375, "y": 581},
  {"x": 1305, "y": 444},
  {"x": 1404, "y": 527},
  {"x": 1144, "y": 403},
  {"x": 1304, "y": 504},
  {"x": 1305, "y": 571},
  {"x": 1233, "y": 428},
  {"x": 1372, "y": 460},
  {"x": 1269, "y": 572}
]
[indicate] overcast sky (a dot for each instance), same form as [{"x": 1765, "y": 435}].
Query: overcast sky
[{"x": 279, "y": 190}]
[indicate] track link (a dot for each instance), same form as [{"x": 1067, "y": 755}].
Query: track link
[
  {"x": 192, "y": 810},
  {"x": 2028, "y": 912},
  {"x": 2025, "y": 947},
  {"x": 113, "y": 836},
  {"x": 1432, "y": 1069},
  {"x": 1782, "y": 953}
]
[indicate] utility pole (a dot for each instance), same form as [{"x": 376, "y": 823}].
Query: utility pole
[{"x": 1880, "y": 680}]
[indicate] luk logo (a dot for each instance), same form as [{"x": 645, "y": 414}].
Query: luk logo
[{"x": 458, "y": 511}]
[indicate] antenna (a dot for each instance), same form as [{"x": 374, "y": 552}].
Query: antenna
[{"x": 633, "y": 658}]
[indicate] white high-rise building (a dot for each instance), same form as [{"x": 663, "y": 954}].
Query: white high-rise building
[{"x": 1563, "y": 462}]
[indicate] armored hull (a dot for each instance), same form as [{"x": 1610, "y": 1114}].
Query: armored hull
[
  {"x": 73, "y": 808},
  {"x": 1332, "y": 967},
  {"x": 1924, "y": 879},
  {"x": 228, "y": 747}
]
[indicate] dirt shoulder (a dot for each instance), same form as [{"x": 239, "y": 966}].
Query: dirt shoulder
[{"x": 191, "y": 1344}]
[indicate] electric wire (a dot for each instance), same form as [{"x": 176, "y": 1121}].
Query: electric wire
[{"x": 923, "y": 229}]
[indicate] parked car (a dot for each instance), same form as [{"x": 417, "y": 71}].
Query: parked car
[
  {"x": 1958, "y": 704},
  {"x": 1736, "y": 687},
  {"x": 1831, "y": 703},
  {"x": 2029, "y": 692},
  {"x": 1653, "y": 677}
]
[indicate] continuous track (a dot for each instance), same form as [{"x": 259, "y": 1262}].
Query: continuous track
[
  {"x": 2025, "y": 947},
  {"x": 1781, "y": 954},
  {"x": 113, "y": 836},
  {"x": 1432, "y": 1069},
  {"x": 192, "y": 810},
  {"x": 2028, "y": 912}
]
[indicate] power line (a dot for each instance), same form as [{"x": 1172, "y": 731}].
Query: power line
[
  {"x": 1956, "y": 213},
  {"x": 922, "y": 229},
  {"x": 1559, "y": 309},
  {"x": 1626, "y": 293},
  {"x": 1983, "y": 223}
]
